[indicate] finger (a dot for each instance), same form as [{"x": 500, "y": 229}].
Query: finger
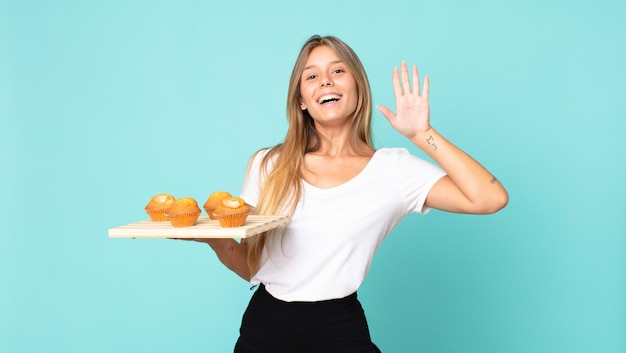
[
  {"x": 416, "y": 80},
  {"x": 385, "y": 111},
  {"x": 395, "y": 78},
  {"x": 426, "y": 87},
  {"x": 406, "y": 85}
]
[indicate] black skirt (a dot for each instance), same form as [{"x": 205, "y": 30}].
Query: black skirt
[{"x": 271, "y": 325}]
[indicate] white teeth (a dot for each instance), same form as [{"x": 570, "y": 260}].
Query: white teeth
[{"x": 327, "y": 97}]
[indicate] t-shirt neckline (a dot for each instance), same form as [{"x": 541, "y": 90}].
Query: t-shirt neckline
[{"x": 348, "y": 182}]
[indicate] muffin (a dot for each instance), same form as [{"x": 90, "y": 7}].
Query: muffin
[
  {"x": 214, "y": 200},
  {"x": 158, "y": 205},
  {"x": 184, "y": 212},
  {"x": 232, "y": 212}
]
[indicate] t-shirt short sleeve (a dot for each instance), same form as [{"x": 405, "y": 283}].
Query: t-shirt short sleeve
[
  {"x": 252, "y": 183},
  {"x": 415, "y": 178}
]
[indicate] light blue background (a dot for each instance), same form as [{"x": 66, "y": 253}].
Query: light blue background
[{"x": 104, "y": 104}]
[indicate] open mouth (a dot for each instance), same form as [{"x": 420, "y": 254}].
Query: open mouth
[{"x": 328, "y": 98}]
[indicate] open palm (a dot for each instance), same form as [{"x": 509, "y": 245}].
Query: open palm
[{"x": 412, "y": 114}]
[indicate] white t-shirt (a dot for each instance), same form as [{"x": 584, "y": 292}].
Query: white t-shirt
[{"x": 330, "y": 240}]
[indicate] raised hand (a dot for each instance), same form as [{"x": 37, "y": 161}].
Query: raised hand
[{"x": 412, "y": 114}]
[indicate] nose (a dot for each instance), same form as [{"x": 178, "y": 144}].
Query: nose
[{"x": 326, "y": 81}]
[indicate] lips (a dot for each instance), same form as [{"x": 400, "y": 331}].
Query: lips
[{"x": 327, "y": 98}]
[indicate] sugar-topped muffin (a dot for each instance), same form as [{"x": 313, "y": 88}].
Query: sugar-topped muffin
[
  {"x": 232, "y": 212},
  {"x": 158, "y": 205},
  {"x": 214, "y": 200}
]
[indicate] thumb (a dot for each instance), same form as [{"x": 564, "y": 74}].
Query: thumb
[{"x": 385, "y": 111}]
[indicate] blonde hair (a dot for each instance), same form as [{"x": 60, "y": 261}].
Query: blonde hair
[{"x": 282, "y": 186}]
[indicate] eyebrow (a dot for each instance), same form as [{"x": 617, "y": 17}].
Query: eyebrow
[{"x": 332, "y": 63}]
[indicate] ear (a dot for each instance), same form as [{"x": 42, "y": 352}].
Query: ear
[{"x": 302, "y": 106}]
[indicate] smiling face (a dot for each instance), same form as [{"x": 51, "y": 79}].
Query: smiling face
[{"x": 327, "y": 88}]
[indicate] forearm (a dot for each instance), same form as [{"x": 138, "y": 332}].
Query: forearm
[
  {"x": 483, "y": 191},
  {"x": 232, "y": 254}
]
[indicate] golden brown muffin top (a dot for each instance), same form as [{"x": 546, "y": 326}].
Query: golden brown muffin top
[
  {"x": 160, "y": 202},
  {"x": 232, "y": 205},
  {"x": 184, "y": 205},
  {"x": 214, "y": 200}
]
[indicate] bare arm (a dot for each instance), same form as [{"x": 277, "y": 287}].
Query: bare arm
[
  {"x": 232, "y": 254},
  {"x": 468, "y": 187}
]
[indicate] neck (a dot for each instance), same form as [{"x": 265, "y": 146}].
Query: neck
[{"x": 338, "y": 143}]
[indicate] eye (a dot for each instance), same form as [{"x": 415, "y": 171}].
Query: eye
[
  {"x": 310, "y": 77},
  {"x": 339, "y": 71}
]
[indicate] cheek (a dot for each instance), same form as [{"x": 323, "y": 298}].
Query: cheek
[
  {"x": 306, "y": 89},
  {"x": 355, "y": 98},
  {"x": 305, "y": 95},
  {"x": 356, "y": 94}
]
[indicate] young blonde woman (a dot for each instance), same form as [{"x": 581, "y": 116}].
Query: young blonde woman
[{"x": 344, "y": 197}]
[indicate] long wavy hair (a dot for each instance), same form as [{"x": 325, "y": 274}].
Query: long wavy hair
[{"x": 282, "y": 185}]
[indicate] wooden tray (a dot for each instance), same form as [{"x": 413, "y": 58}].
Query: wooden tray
[{"x": 205, "y": 227}]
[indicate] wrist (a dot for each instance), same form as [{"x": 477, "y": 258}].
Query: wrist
[
  {"x": 425, "y": 139},
  {"x": 424, "y": 133}
]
